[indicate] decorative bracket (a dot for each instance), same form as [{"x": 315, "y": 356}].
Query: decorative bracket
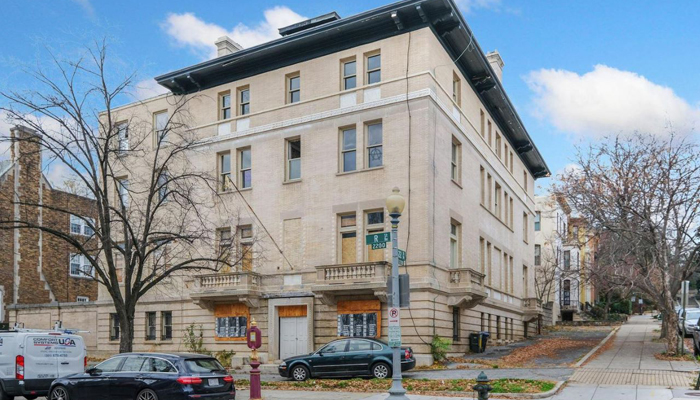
[{"x": 326, "y": 299}]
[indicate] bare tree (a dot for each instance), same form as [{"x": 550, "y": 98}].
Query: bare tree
[
  {"x": 646, "y": 192},
  {"x": 547, "y": 272},
  {"x": 610, "y": 273},
  {"x": 157, "y": 214}
]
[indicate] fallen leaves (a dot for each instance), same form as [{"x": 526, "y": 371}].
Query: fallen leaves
[
  {"x": 526, "y": 356},
  {"x": 415, "y": 386}
]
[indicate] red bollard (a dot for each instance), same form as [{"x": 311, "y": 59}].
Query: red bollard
[{"x": 254, "y": 343}]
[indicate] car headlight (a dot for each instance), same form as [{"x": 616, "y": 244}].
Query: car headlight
[{"x": 283, "y": 364}]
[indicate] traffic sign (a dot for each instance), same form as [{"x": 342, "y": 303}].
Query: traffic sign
[
  {"x": 394, "y": 327},
  {"x": 376, "y": 238},
  {"x": 402, "y": 256}
]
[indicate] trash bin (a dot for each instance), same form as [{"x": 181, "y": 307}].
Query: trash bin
[
  {"x": 474, "y": 344},
  {"x": 483, "y": 338}
]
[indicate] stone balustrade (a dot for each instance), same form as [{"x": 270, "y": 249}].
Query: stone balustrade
[
  {"x": 350, "y": 273},
  {"x": 230, "y": 280}
]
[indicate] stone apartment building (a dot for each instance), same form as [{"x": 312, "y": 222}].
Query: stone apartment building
[
  {"x": 37, "y": 268},
  {"x": 315, "y": 129},
  {"x": 563, "y": 250}
]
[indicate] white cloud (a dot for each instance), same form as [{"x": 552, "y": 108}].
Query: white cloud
[
  {"x": 87, "y": 7},
  {"x": 5, "y": 126},
  {"x": 608, "y": 101},
  {"x": 468, "y": 6},
  {"x": 147, "y": 88},
  {"x": 189, "y": 31}
]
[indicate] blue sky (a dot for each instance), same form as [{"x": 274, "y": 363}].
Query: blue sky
[{"x": 574, "y": 70}]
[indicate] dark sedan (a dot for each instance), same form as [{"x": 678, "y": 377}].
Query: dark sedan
[
  {"x": 347, "y": 357},
  {"x": 148, "y": 376}
]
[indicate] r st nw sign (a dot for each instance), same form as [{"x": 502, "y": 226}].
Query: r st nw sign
[{"x": 378, "y": 240}]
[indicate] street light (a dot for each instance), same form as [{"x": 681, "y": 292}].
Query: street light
[{"x": 395, "y": 204}]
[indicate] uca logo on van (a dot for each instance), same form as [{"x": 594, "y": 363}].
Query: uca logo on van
[{"x": 48, "y": 342}]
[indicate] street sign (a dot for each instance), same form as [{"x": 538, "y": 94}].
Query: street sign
[
  {"x": 402, "y": 255},
  {"x": 377, "y": 238},
  {"x": 376, "y": 246},
  {"x": 394, "y": 327}
]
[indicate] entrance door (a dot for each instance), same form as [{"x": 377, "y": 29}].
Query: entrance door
[
  {"x": 293, "y": 337},
  {"x": 567, "y": 293}
]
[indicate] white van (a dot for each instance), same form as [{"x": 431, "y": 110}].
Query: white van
[{"x": 31, "y": 359}]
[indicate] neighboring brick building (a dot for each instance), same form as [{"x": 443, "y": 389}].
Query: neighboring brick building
[{"x": 35, "y": 267}]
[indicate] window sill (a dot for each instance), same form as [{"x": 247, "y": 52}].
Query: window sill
[
  {"x": 457, "y": 183},
  {"x": 81, "y": 277},
  {"x": 290, "y": 182},
  {"x": 359, "y": 170},
  {"x": 245, "y": 189}
]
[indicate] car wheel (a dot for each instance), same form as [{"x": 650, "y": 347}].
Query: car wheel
[
  {"x": 300, "y": 373},
  {"x": 147, "y": 394},
  {"x": 381, "y": 370},
  {"x": 59, "y": 393}
]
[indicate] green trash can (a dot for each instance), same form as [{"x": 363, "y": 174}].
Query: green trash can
[{"x": 474, "y": 343}]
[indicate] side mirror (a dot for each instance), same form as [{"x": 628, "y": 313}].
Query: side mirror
[{"x": 93, "y": 371}]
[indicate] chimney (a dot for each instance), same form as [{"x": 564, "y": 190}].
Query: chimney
[
  {"x": 496, "y": 62},
  {"x": 25, "y": 142},
  {"x": 225, "y": 45}
]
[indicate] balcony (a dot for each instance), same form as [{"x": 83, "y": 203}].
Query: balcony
[
  {"x": 466, "y": 288},
  {"x": 569, "y": 305},
  {"x": 350, "y": 279},
  {"x": 532, "y": 308},
  {"x": 244, "y": 287}
]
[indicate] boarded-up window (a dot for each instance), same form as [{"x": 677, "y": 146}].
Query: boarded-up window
[
  {"x": 292, "y": 241},
  {"x": 231, "y": 321},
  {"x": 374, "y": 223},
  {"x": 348, "y": 239},
  {"x": 359, "y": 318}
]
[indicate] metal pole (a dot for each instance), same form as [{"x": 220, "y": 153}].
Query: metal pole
[{"x": 397, "y": 392}]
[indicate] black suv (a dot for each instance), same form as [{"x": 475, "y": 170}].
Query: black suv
[
  {"x": 347, "y": 357},
  {"x": 148, "y": 376}
]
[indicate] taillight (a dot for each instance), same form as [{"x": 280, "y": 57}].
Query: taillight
[
  {"x": 85, "y": 362},
  {"x": 19, "y": 367},
  {"x": 407, "y": 354},
  {"x": 189, "y": 380},
  {"x": 228, "y": 379}
]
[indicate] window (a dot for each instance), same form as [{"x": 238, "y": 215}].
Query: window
[
  {"x": 498, "y": 144},
  {"x": 455, "y": 324},
  {"x": 113, "y": 326},
  {"x": 361, "y": 318},
  {"x": 150, "y": 326},
  {"x": 482, "y": 125},
  {"x": 246, "y": 247},
  {"x": 80, "y": 266},
  {"x": 153, "y": 364},
  {"x": 348, "y": 150},
  {"x": 455, "y": 248},
  {"x": 348, "y": 235},
  {"x": 162, "y": 186},
  {"x": 575, "y": 229},
  {"x": 511, "y": 213},
  {"x": 489, "y": 185},
  {"x": 123, "y": 192},
  {"x": 498, "y": 327},
  {"x": 538, "y": 255},
  {"x": 161, "y": 126},
  {"x": 506, "y": 212},
  {"x": 374, "y": 146},
  {"x": 455, "y": 172},
  {"x": 246, "y": 172},
  {"x": 335, "y": 347},
  {"x": 489, "y": 134},
  {"x": 538, "y": 219},
  {"x": 374, "y": 69},
  {"x": 112, "y": 364},
  {"x": 132, "y": 364},
  {"x": 244, "y": 101},
  {"x": 123, "y": 136},
  {"x": 81, "y": 226},
  {"x": 349, "y": 75},
  {"x": 374, "y": 224},
  {"x": 505, "y": 154},
  {"x": 456, "y": 90},
  {"x": 166, "y": 325},
  {"x": 511, "y": 162},
  {"x": 225, "y": 172},
  {"x": 82, "y": 299},
  {"x": 293, "y": 159},
  {"x": 482, "y": 255},
  {"x": 525, "y": 181},
  {"x": 224, "y": 239},
  {"x": 231, "y": 327},
  {"x": 526, "y": 284},
  {"x": 294, "y": 89},
  {"x": 525, "y": 226},
  {"x": 482, "y": 180},
  {"x": 567, "y": 260},
  {"x": 225, "y": 105},
  {"x": 489, "y": 262},
  {"x": 483, "y": 322},
  {"x": 497, "y": 203},
  {"x": 360, "y": 345}
]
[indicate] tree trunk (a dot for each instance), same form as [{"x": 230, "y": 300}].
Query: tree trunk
[
  {"x": 671, "y": 322},
  {"x": 126, "y": 329}
]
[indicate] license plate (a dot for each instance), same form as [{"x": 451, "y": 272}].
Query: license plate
[{"x": 214, "y": 382}]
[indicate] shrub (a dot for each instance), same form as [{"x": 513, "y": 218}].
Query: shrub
[
  {"x": 224, "y": 357},
  {"x": 193, "y": 340},
  {"x": 439, "y": 347}
]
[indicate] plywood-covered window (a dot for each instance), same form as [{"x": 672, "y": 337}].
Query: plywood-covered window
[
  {"x": 359, "y": 318},
  {"x": 348, "y": 238},
  {"x": 231, "y": 321}
]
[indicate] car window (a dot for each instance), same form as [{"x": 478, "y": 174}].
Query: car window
[
  {"x": 157, "y": 365},
  {"x": 376, "y": 347},
  {"x": 203, "y": 365},
  {"x": 335, "y": 347},
  {"x": 693, "y": 316},
  {"x": 360, "y": 345},
  {"x": 132, "y": 364},
  {"x": 110, "y": 365}
]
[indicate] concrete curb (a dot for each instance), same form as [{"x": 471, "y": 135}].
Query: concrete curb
[{"x": 590, "y": 353}]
